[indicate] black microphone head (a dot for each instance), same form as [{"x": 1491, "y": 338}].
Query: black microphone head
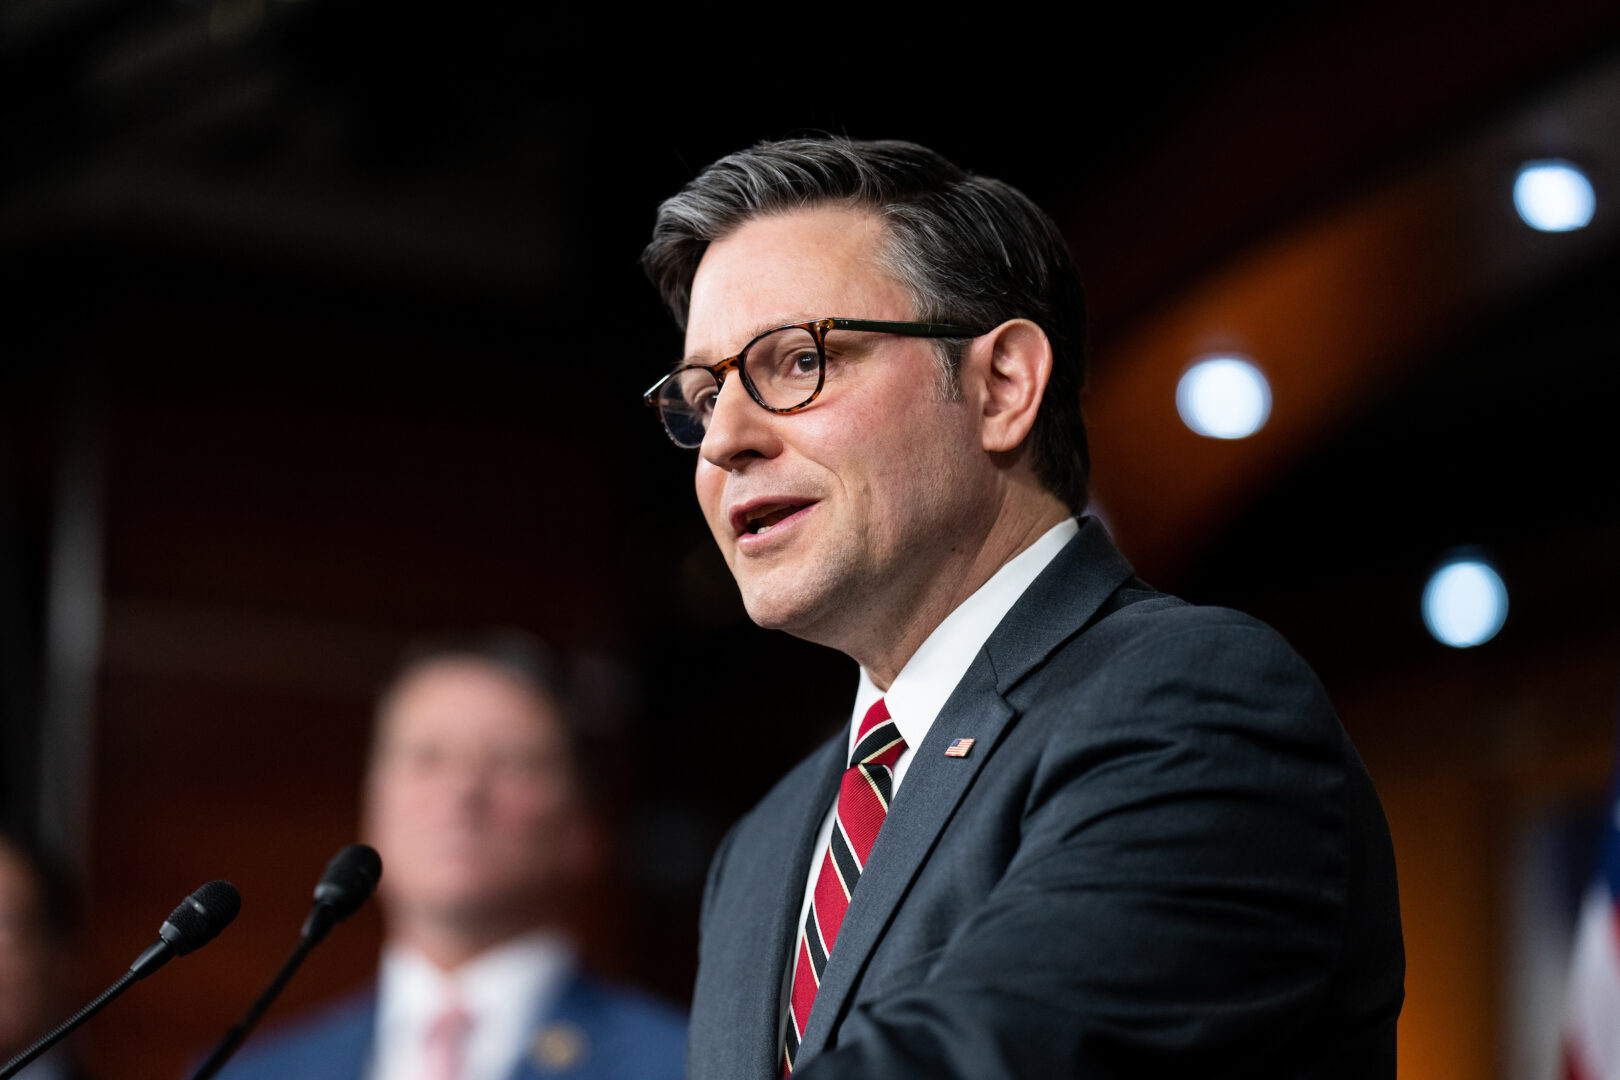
[
  {"x": 201, "y": 916},
  {"x": 349, "y": 879}
]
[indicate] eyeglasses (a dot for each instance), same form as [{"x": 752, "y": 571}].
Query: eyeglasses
[{"x": 782, "y": 369}]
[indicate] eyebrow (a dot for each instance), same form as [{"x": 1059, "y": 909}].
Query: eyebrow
[{"x": 760, "y": 328}]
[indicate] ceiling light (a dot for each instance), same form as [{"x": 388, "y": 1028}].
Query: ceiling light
[
  {"x": 1224, "y": 397},
  {"x": 1465, "y": 602},
  {"x": 1553, "y": 196}
]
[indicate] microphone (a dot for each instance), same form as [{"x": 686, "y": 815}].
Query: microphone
[
  {"x": 197, "y": 921},
  {"x": 349, "y": 879}
]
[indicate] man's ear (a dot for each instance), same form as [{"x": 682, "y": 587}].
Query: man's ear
[{"x": 1009, "y": 368}]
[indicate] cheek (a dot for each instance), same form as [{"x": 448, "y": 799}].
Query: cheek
[
  {"x": 403, "y": 806},
  {"x": 865, "y": 456},
  {"x": 708, "y": 480},
  {"x": 382, "y": 807},
  {"x": 523, "y": 812}
]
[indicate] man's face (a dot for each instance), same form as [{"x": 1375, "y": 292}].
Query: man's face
[
  {"x": 865, "y": 491},
  {"x": 471, "y": 798}
]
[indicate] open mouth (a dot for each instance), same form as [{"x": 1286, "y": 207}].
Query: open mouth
[{"x": 762, "y": 519}]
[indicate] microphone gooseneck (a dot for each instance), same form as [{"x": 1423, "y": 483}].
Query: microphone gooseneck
[
  {"x": 349, "y": 879},
  {"x": 197, "y": 921}
]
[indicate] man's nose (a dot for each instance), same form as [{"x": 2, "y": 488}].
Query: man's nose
[
  {"x": 738, "y": 427},
  {"x": 465, "y": 782}
]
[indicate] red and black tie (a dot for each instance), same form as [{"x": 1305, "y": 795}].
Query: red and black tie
[{"x": 863, "y": 803}]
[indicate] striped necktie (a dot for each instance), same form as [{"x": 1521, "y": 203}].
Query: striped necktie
[{"x": 863, "y": 802}]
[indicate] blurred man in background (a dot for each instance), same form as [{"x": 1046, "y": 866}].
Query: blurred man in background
[
  {"x": 474, "y": 799},
  {"x": 36, "y": 931}
]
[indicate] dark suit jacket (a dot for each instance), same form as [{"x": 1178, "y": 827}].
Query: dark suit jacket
[
  {"x": 596, "y": 1033},
  {"x": 1162, "y": 856}
]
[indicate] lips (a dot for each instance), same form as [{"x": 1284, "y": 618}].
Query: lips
[{"x": 758, "y": 518}]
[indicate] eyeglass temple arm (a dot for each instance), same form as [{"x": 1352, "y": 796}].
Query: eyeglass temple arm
[{"x": 910, "y": 329}]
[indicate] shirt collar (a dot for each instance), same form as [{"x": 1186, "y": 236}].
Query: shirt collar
[
  {"x": 521, "y": 977},
  {"x": 928, "y": 679}
]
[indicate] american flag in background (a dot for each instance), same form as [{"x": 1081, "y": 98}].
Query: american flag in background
[{"x": 1591, "y": 1045}]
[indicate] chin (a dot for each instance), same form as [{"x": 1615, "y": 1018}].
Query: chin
[
  {"x": 810, "y": 618},
  {"x": 774, "y": 608},
  {"x": 465, "y": 907},
  {"x": 765, "y": 615}
]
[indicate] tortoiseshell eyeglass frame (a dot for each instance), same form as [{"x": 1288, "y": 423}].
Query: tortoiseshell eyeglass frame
[{"x": 817, "y": 330}]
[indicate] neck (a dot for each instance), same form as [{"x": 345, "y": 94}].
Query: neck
[
  {"x": 450, "y": 945},
  {"x": 891, "y": 639}
]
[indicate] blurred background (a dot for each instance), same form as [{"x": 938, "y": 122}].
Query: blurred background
[{"x": 323, "y": 329}]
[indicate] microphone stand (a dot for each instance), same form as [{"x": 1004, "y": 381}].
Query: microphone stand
[
  {"x": 349, "y": 879},
  {"x": 197, "y": 921},
  {"x": 243, "y": 1027}
]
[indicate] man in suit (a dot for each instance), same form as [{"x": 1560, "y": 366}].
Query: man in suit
[
  {"x": 473, "y": 800},
  {"x": 1075, "y": 827}
]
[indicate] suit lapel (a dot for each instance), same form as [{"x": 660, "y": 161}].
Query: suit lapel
[
  {"x": 351, "y": 1055},
  {"x": 934, "y": 784},
  {"x": 349, "y": 1060},
  {"x": 560, "y": 1041},
  {"x": 1056, "y": 606},
  {"x": 340, "y": 1047},
  {"x": 776, "y": 875}
]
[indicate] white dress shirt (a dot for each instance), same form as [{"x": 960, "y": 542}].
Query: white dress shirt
[
  {"x": 926, "y": 682},
  {"x": 502, "y": 990}
]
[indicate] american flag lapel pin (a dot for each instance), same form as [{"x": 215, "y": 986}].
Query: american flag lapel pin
[{"x": 959, "y": 748}]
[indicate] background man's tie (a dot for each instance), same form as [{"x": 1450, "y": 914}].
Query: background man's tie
[
  {"x": 446, "y": 1043},
  {"x": 863, "y": 802}
]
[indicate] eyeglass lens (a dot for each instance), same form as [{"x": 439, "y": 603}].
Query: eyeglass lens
[{"x": 781, "y": 368}]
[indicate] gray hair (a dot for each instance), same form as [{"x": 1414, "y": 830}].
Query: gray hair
[{"x": 967, "y": 248}]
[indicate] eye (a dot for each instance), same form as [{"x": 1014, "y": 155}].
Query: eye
[
  {"x": 693, "y": 391},
  {"x": 701, "y": 401},
  {"x": 417, "y": 758},
  {"x": 520, "y": 765},
  {"x": 798, "y": 367}
]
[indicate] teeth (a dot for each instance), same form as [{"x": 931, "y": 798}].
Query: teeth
[{"x": 764, "y": 522}]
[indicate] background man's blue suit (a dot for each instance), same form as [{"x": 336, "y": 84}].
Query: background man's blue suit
[
  {"x": 624, "y": 1036},
  {"x": 1162, "y": 857}
]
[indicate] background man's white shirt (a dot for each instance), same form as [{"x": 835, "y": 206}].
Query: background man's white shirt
[{"x": 502, "y": 990}]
